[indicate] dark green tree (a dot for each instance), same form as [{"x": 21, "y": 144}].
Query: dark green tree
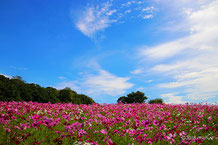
[
  {"x": 134, "y": 97},
  {"x": 18, "y": 78},
  {"x": 39, "y": 94},
  {"x": 67, "y": 95},
  {"x": 156, "y": 101},
  {"x": 4, "y": 87},
  {"x": 52, "y": 95},
  {"x": 16, "y": 89},
  {"x": 122, "y": 99},
  {"x": 85, "y": 99}
]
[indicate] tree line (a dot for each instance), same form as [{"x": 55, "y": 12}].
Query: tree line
[{"x": 16, "y": 89}]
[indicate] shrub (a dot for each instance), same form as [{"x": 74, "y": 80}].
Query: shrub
[{"x": 156, "y": 101}]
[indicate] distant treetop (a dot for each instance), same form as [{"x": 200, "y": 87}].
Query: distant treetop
[
  {"x": 134, "y": 97},
  {"x": 156, "y": 101}
]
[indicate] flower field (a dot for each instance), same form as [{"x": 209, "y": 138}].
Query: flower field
[{"x": 108, "y": 124}]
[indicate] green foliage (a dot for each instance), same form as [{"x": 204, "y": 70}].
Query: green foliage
[
  {"x": 122, "y": 99},
  {"x": 53, "y": 94},
  {"x": 134, "y": 97},
  {"x": 156, "y": 101},
  {"x": 18, "y": 78},
  {"x": 67, "y": 95},
  {"x": 16, "y": 89}
]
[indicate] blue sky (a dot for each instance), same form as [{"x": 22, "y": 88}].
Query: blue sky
[{"x": 105, "y": 49}]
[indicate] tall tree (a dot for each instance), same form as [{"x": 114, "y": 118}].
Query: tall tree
[
  {"x": 52, "y": 94},
  {"x": 67, "y": 95},
  {"x": 134, "y": 97},
  {"x": 18, "y": 78}
]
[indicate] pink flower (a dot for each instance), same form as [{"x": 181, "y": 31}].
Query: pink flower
[
  {"x": 96, "y": 131},
  {"x": 103, "y": 131},
  {"x": 109, "y": 142},
  {"x": 13, "y": 117},
  {"x": 200, "y": 116},
  {"x": 36, "y": 117},
  {"x": 81, "y": 132},
  {"x": 7, "y": 130},
  {"x": 182, "y": 133},
  {"x": 127, "y": 123},
  {"x": 57, "y": 131},
  {"x": 155, "y": 122},
  {"x": 34, "y": 124}
]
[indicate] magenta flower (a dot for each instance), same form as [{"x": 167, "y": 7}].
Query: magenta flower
[
  {"x": 81, "y": 132},
  {"x": 36, "y": 117},
  {"x": 155, "y": 122},
  {"x": 127, "y": 123},
  {"x": 103, "y": 131},
  {"x": 110, "y": 142},
  {"x": 57, "y": 131}
]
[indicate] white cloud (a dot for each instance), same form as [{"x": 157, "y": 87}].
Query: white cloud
[
  {"x": 127, "y": 11},
  {"x": 137, "y": 71},
  {"x": 147, "y": 16},
  {"x": 98, "y": 83},
  {"x": 196, "y": 67},
  {"x": 111, "y": 12},
  {"x": 95, "y": 18},
  {"x": 69, "y": 84},
  {"x": 173, "y": 98},
  {"x": 149, "y": 81},
  {"x": 164, "y": 50},
  {"x": 150, "y": 9},
  {"x": 141, "y": 89},
  {"x": 61, "y": 78},
  {"x": 98, "y": 17},
  {"x": 105, "y": 83},
  {"x": 180, "y": 4},
  {"x": 129, "y": 3}
]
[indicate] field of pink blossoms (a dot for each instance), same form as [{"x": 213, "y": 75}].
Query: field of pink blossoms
[{"x": 113, "y": 124}]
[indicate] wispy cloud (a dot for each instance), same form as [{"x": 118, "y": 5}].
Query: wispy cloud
[
  {"x": 95, "y": 18},
  {"x": 147, "y": 16},
  {"x": 61, "y": 78},
  {"x": 105, "y": 83},
  {"x": 149, "y": 9},
  {"x": 133, "y": 2},
  {"x": 137, "y": 71},
  {"x": 194, "y": 66},
  {"x": 98, "y": 82},
  {"x": 69, "y": 84},
  {"x": 173, "y": 98},
  {"x": 98, "y": 17},
  {"x": 149, "y": 81},
  {"x": 18, "y": 68}
]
